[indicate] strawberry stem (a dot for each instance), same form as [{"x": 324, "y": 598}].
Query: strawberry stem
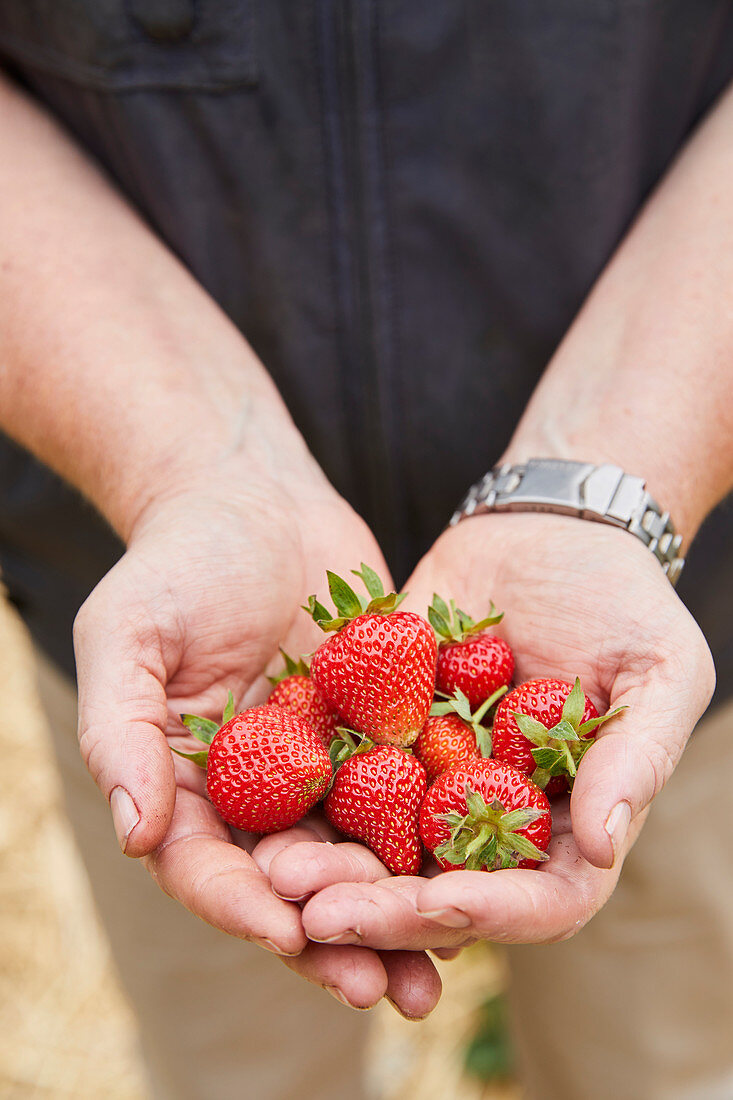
[
  {"x": 559, "y": 749},
  {"x": 451, "y": 624},
  {"x": 348, "y": 604},
  {"x": 488, "y": 836}
]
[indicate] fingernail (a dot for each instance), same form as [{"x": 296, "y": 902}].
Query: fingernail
[
  {"x": 269, "y": 945},
  {"x": 287, "y": 897},
  {"x": 336, "y": 992},
  {"x": 125, "y": 815},
  {"x": 617, "y": 826},
  {"x": 400, "y": 1012},
  {"x": 348, "y": 936},
  {"x": 450, "y": 917}
]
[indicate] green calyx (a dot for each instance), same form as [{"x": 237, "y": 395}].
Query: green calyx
[
  {"x": 453, "y": 625},
  {"x": 348, "y": 743},
  {"x": 459, "y": 704},
  {"x": 348, "y": 604},
  {"x": 560, "y": 748},
  {"x": 292, "y": 668},
  {"x": 203, "y": 729},
  {"x": 488, "y": 836}
]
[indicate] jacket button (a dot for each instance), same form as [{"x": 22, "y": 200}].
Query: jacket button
[{"x": 165, "y": 20}]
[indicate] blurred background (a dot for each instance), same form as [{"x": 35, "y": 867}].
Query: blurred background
[{"x": 68, "y": 1032}]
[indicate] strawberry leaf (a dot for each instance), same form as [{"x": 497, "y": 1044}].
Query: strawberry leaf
[
  {"x": 318, "y": 612},
  {"x": 438, "y": 709},
  {"x": 530, "y": 728},
  {"x": 345, "y": 599},
  {"x": 228, "y": 709},
  {"x": 203, "y": 729},
  {"x": 292, "y": 668},
  {"x": 491, "y": 619},
  {"x": 439, "y": 623},
  {"x": 520, "y": 819},
  {"x": 524, "y": 847},
  {"x": 372, "y": 583},
  {"x": 549, "y": 759},
  {"x": 564, "y": 731},
  {"x": 385, "y": 605},
  {"x": 593, "y": 723},
  {"x": 445, "y": 852},
  {"x": 574, "y": 705},
  {"x": 483, "y": 741},
  {"x": 200, "y": 758},
  {"x": 348, "y": 743},
  {"x": 540, "y": 778},
  {"x": 440, "y": 607},
  {"x": 475, "y": 804},
  {"x": 461, "y": 706}
]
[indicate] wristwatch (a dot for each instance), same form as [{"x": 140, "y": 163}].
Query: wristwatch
[{"x": 605, "y": 494}]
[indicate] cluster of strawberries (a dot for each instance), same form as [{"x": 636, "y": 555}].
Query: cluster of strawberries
[{"x": 410, "y": 730}]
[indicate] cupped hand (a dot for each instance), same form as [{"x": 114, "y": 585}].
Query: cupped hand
[
  {"x": 210, "y": 586},
  {"x": 584, "y": 600}
]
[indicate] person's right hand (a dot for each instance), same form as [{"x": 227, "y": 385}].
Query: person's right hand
[{"x": 210, "y": 586}]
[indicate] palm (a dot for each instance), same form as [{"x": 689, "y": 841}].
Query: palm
[
  {"x": 198, "y": 606},
  {"x": 580, "y": 599}
]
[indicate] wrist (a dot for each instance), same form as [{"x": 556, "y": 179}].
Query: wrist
[
  {"x": 669, "y": 482},
  {"x": 604, "y": 494},
  {"x": 234, "y": 453}
]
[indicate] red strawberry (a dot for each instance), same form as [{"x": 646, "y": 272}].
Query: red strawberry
[
  {"x": 469, "y": 658},
  {"x": 545, "y": 727},
  {"x": 296, "y": 691},
  {"x": 376, "y": 798},
  {"x": 485, "y": 815},
  {"x": 265, "y": 768},
  {"x": 378, "y": 670},
  {"x": 452, "y": 733},
  {"x": 444, "y": 740}
]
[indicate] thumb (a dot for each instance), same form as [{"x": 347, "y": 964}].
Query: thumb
[
  {"x": 633, "y": 758},
  {"x": 123, "y": 715}
]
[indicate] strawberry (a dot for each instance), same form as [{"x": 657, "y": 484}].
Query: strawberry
[
  {"x": 452, "y": 733},
  {"x": 378, "y": 669},
  {"x": 295, "y": 691},
  {"x": 485, "y": 815},
  {"x": 444, "y": 740},
  {"x": 265, "y": 768},
  {"x": 376, "y": 798},
  {"x": 544, "y": 728},
  {"x": 469, "y": 658}
]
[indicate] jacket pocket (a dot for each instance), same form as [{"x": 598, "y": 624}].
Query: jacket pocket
[{"x": 126, "y": 45}]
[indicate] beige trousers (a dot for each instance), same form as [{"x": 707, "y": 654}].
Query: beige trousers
[{"x": 638, "y": 1006}]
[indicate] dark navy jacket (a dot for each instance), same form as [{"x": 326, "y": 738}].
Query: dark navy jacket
[{"x": 401, "y": 204}]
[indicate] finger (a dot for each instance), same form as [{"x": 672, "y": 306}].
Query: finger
[
  {"x": 450, "y": 953},
  {"x": 122, "y": 719},
  {"x": 355, "y": 976},
  {"x": 199, "y": 866},
  {"x": 382, "y": 915},
  {"x": 270, "y": 846},
  {"x": 520, "y": 906},
  {"x": 632, "y": 759},
  {"x": 302, "y": 869},
  {"x": 414, "y": 986}
]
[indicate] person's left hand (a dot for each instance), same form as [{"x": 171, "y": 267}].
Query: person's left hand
[{"x": 580, "y": 599}]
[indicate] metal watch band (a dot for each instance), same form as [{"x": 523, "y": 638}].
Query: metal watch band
[{"x": 604, "y": 494}]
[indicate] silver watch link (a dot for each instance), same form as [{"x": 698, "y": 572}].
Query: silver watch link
[{"x": 604, "y": 494}]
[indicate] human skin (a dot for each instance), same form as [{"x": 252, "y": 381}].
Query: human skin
[
  {"x": 655, "y": 315},
  {"x": 643, "y": 379},
  {"x": 120, "y": 373}
]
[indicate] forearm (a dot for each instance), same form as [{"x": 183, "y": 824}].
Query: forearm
[
  {"x": 644, "y": 378},
  {"x": 116, "y": 368}
]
